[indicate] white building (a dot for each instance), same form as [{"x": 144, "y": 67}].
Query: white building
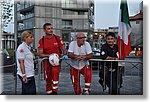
[
  {"x": 136, "y": 22},
  {"x": 7, "y": 41}
]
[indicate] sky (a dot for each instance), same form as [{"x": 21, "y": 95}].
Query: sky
[
  {"x": 10, "y": 27},
  {"x": 106, "y": 13}
]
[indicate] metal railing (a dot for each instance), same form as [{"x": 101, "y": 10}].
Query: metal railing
[
  {"x": 122, "y": 70},
  {"x": 131, "y": 70},
  {"x": 14, "y": 74},
  {"x": 126, "y": 69}
]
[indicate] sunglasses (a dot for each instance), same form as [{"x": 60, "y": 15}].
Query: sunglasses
[{"x": 81, "y": 37}]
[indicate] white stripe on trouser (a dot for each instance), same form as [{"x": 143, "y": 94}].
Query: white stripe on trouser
[
  {"x": 87, "y": 84},
  {"x": 55, "y": 82},
  {"x": 73, "y": 79},
  {"x": 48, "y": 92},
  {"x": 55, "y": 87},
  {"x": 45, "y": 74},
  {"x": 86, "y": 89}
]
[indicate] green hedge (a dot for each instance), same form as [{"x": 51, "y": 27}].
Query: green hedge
[{"x": 11, "y": 52}]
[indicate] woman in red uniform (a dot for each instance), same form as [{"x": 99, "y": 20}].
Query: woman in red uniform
[{"x": 49, "y": 44}]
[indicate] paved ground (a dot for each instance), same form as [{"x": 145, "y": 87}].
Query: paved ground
[{"x": 132, "y": 83}]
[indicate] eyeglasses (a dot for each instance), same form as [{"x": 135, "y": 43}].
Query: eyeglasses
[{"x": 81, "y": 37}]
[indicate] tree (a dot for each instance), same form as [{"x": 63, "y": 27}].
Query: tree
[{"x": 7, "y": 13}]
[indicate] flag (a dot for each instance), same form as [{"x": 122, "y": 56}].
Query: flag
[{"x": 124, "y": 46}]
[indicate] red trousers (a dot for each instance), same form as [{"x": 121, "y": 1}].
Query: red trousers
[
  {"x": 86, "y": 71},
  {"x": 51, "y": 75}
]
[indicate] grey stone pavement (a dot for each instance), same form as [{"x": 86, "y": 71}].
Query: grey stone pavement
[{"x": 132, "y": 82}]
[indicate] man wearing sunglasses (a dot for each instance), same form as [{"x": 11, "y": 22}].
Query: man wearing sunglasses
[{"x": 80, "y": 52}]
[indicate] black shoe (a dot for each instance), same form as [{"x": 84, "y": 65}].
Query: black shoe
[
  {"x": 86, "y": 92},
  {"x": 54, "y": 93}
]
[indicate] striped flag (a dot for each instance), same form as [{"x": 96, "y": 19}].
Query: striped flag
[{"x": 124, "y": 46}]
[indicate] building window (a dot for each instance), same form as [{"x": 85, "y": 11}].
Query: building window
[
  {"x": 69, "y": 3},
  {"x": 67, "y": 24},
  {"x": 137, "y": 22},
  {"x": 68, "y": 12},
  {"x": 80, "y": 13}
]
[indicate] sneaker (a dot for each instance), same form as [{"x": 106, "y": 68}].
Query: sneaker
[
  {"x": 49, "y": 92},
  {"x": 107, "y": 88},
  {"x": 86, "y": 92},
  {"x": 54, "y": 93}
]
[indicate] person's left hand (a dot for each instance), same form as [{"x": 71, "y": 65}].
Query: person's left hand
[{"x": 65, "y": 57}]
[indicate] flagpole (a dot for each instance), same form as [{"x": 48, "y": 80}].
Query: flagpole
[
  {"x": 121, "y": 47},
  {"x": 120, "y": 50}
]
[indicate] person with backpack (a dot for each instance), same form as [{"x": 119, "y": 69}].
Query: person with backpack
[{"x": 50, "y": 44}]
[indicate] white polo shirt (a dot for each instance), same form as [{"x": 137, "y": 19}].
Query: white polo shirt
[
  {"x": 83, "y": 50},
  {"x": 23, "y": 52}
]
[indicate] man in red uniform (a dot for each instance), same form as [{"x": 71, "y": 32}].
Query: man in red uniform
[
  {"x": 80, "y": 52},
  {"x": 49, "y": 44}
]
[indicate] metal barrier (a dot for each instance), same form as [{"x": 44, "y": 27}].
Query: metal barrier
[
  {"x": 40, "y": 66},
  {"x": 123, "y": 66},
  {"x": 132, "y": 72},
  {"x": 13, "y": 74}
]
